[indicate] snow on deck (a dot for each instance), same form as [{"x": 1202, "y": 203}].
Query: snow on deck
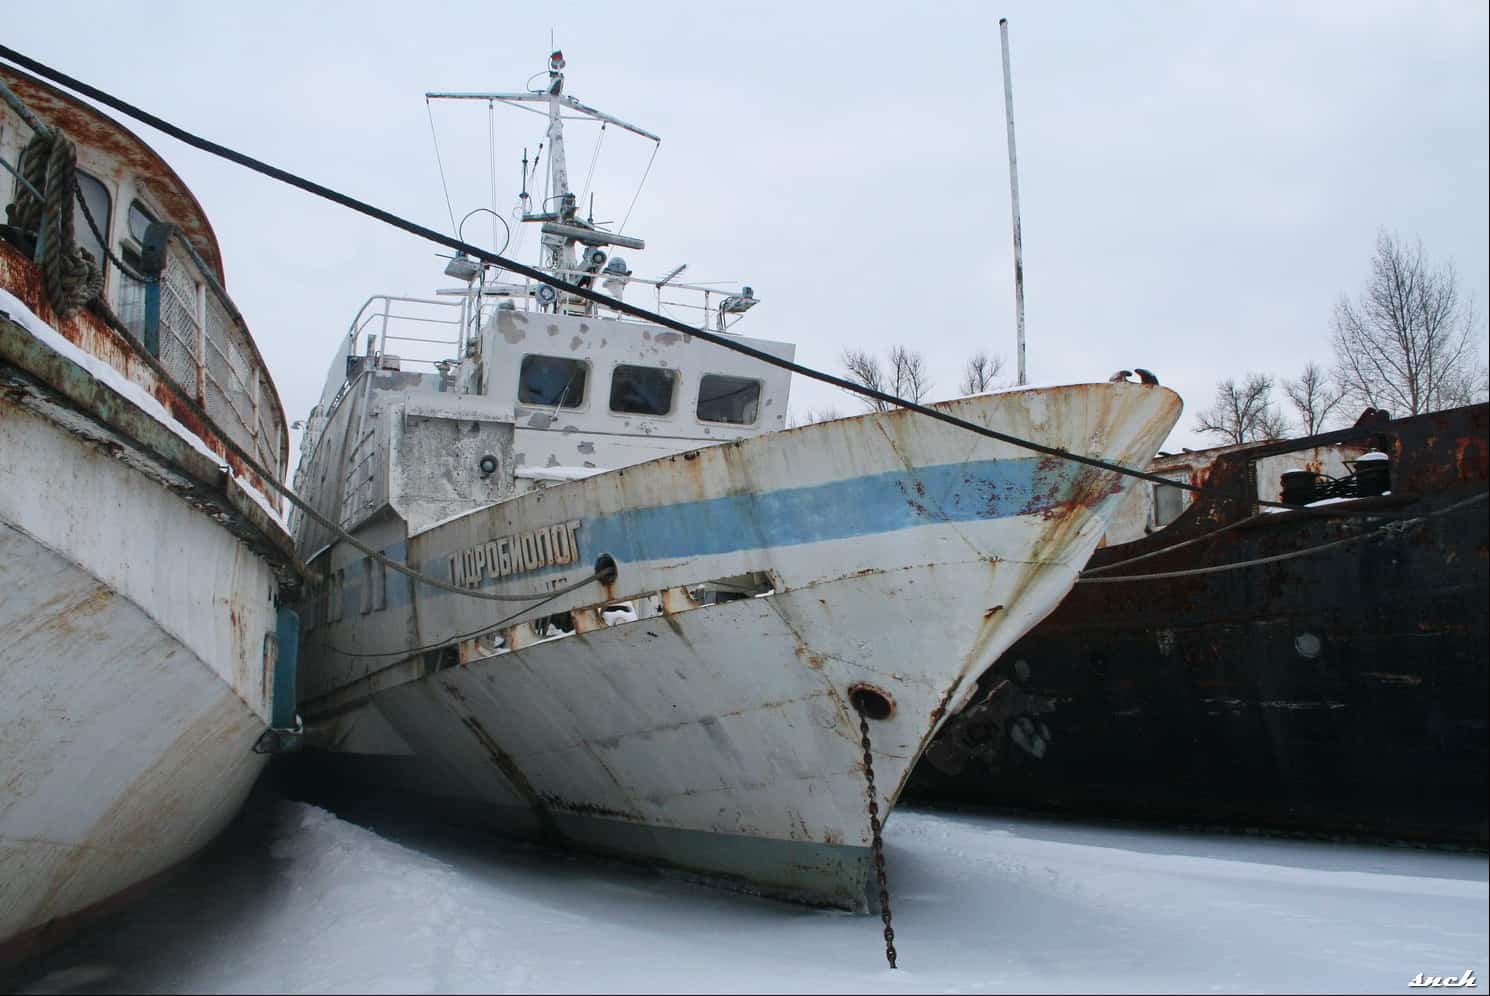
[
  {"x": 297, "y": 900},
  {"x": 15, "y": 309}
]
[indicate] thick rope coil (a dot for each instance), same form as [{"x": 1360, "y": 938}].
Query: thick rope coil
[
  {"x": 69, "y": 273},
  {"x": 25, "y": 211}
]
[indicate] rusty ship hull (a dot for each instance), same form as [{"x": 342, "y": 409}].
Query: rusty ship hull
[
  {"x": 703, "y": 603},
  {"x": 1339, "y": 693},
  {"x": 897, "y": 559},
  {"x": 143, "y": 573},
  {"x": 134, "y": 680}
]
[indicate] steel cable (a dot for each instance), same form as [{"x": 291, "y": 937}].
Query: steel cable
[
  {"x": 1395, "y": 526},
  {"x": 587, "y": 293},
  {"x": 1322, "y": 511}
]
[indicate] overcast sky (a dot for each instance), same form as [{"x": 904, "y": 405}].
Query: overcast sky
[{"x": 1199, "y": 182}]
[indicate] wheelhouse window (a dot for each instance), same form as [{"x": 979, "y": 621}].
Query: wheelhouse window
[
  {"x": 96, "y": 197},
  {"x": 642, "y": 390},
  {"x": 552, "y": 381},
  {"x": 140, "y": 221},
  {"x": 132, "y": 291},
  {"x": 735, "y": 400}
]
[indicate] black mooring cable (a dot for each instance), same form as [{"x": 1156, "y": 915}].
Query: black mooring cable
[{"x": 388, "y": 218}]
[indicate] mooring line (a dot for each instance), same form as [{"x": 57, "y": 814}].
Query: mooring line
[{"x": 623, "y": 307}]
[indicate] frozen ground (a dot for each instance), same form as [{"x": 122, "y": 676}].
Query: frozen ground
[{"x": 295, "y": 900}]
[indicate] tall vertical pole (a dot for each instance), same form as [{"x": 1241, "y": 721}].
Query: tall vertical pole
[{"x": 1014, "y": 195}]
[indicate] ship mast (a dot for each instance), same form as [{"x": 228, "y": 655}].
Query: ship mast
[
  {"x": 562, "y": 229},
  {"x": 558, "y": 249}
]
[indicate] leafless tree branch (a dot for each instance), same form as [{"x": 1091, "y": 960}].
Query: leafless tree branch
[
  {"x": 1243, "y": 413},
  {"x": 981, "y": 373},
  {"x": 1409, "y": 343},
  {"x": 811, "y": 416},
  {"x": 911, "y": 377},
  {"x": 1313, "y": 397},
  {"x": 863, "y": 368},
  {"x": 906, "y": 376}
]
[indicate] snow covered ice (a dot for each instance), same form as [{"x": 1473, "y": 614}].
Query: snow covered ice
[{"x": 296, "y": 900}]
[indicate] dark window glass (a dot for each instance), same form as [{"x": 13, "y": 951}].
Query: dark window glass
[
  {"x": 96, "y": 196},
  {"x": 545, "y": 380},
  {"x": 139, "y": 220},
  {"x": 132, "y": 294},
  {"x": 131, "y": 291},
  {"x": 728, "y": 399},
  {"x": 642, "y": 390}
]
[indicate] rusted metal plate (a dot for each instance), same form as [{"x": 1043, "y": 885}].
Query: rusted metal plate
[
  {"x": 1140, "y": 516},
  {"x": 97, "y": 338},
  {"x": 1344, "y": 691}
]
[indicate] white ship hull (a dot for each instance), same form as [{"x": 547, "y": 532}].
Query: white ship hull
[
  {"x": 904, "y": 557},
  {"x": 135, "y": 674},
  {"x": 144, "y": 572}
]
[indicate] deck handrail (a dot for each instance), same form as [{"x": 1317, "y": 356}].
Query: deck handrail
[{"x": 200, "y": 337}]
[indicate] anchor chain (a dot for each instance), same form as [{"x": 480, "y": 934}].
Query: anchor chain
[{"x": 878, "y": 841}]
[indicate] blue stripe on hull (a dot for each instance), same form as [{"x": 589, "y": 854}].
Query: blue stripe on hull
[{"x": 859, "y": 506}]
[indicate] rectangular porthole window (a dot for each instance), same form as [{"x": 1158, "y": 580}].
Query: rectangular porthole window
[
  {"x": 642, "y": 390},
  {"x": 132, "y": 291},
  {"x": 99, "y": 204},
  {"x": 140, "y": 221},
  {"x": 552, "y": 381},
  {"x": 735, "y": 400},
  {"x": 1168, "y": 503}
]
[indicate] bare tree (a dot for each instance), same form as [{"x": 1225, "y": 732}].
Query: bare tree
[
  {"x": 906, "y": 376},
  {"x": 1408, "y": 345},
  {"x": 1313, "y": 397},
  {"x": 1473, "y": 387},
  {"x": 981, "y": 373},
  {"x": 864, "y": 368},
  {"x": 911, "y": 377},
  {"x": 1243, "y": 413},
  {"x": 812, "y": 416}
]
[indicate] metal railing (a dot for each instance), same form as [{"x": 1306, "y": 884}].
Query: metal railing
[
  {"x": 383, "y": 324},
  {"x": 707, "y": 306},
  {"x": 387, "y": 326},
  {"x": 192, "y": 327}
]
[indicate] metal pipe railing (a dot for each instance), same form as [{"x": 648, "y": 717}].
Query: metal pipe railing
[{"x": 206, "y": 347}]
